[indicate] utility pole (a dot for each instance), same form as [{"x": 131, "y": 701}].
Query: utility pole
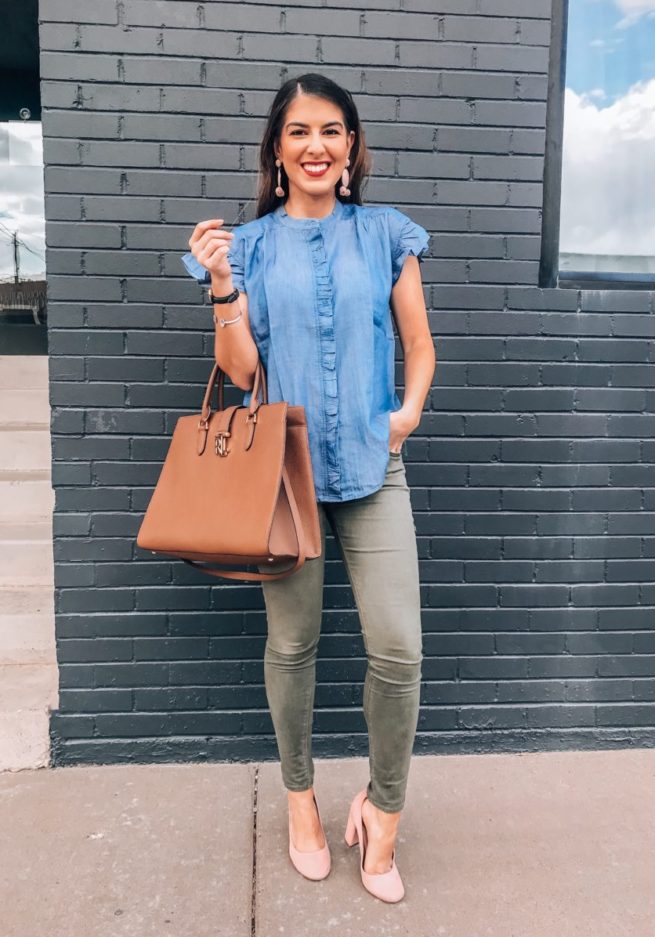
[{"x": 16, "y": 257}]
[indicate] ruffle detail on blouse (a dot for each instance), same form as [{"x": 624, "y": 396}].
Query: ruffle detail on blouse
[
  {"x": 407, "y": 237},
  {"x": 236, "y": 260},
  {"x": 328, "y": 348}
]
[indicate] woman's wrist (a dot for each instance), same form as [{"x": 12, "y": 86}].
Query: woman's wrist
[
  {"x": 222, "y": 286},
  {"x": 410, "y": 416}
]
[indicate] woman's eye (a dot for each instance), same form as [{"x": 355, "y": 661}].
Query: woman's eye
[{"x": 329, "y": 130}]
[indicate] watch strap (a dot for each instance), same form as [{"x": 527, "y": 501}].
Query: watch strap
[{"x": 223, "y": 299}]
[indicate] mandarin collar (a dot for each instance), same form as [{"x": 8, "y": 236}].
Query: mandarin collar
[{"x": 286, "y": 219}]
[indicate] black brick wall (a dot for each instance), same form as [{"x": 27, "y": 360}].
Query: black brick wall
[{"x": 532, "y": 470}]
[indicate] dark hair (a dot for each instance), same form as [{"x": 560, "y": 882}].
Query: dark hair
[{"x": 360, "y": 157}]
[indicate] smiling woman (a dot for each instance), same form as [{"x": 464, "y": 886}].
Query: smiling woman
[
  {"x": 319, "y": 274},
  {"x": 302, "y": 266},
  {"x": 316, "y": 141}
]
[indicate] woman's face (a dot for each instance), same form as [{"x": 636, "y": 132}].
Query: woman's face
[{"x": 314, "y": 132}]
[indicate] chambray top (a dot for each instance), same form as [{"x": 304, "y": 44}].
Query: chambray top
[{"x": 319, "y": 310}]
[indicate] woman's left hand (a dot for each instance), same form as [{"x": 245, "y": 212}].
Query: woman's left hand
[{"x": 401, "y": 424}]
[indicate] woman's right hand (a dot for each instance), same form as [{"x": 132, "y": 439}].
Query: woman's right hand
[{"x": 209, "y": 244}]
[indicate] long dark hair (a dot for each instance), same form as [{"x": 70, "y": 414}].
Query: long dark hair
[{"x": 360, "y": 157}]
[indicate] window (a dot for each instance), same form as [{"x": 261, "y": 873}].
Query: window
[
  {"x": 601, "y": 230},
  {"x": 22, "y": 238}
]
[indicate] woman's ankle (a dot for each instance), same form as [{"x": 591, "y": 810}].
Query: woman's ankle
[
  {"x": 301, "y": 796},
  {"x": 379, "y": 820}
]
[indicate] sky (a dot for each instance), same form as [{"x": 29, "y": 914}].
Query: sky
[
  {"x": 608, "y": 190},
  {"x": 21, "y": 198}
]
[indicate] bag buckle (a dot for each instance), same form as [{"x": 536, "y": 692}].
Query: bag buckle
[{"x": 220, "y": 445}]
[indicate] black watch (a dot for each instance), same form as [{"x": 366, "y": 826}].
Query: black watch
[{"x": 223, "y": 299}]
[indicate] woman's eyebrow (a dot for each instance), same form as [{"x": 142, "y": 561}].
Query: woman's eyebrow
[{"x": 329, "y": 124}]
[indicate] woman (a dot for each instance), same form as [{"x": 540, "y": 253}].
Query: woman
[{"x": 307, "y": 286}]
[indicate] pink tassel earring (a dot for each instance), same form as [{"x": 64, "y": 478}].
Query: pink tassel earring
[
  {"x": 345, "y": 179},
  {"x": 279, "y": 190}
]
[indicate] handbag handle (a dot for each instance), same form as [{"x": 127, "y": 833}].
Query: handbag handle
[{"x": 259, "y": 384}]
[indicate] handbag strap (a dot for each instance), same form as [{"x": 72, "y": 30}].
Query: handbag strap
[
  {"x": 259, "y": 384},
  {"x": 265, "y": 577}
]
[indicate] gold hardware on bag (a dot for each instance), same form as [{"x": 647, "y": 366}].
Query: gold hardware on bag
[{"x": 220, "y": 446}]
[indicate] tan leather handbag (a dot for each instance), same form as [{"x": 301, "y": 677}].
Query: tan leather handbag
[{"x": 236, "y": 487}]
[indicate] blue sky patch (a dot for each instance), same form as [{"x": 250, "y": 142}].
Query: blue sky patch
[{"x": 611, "y": 46}]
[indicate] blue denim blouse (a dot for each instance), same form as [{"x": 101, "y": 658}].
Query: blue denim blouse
[{"x": 319, "y": 311}]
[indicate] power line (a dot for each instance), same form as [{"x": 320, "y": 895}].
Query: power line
[
  {"x": 27, "y": 248},
  {"x": 22, "y": 243}
]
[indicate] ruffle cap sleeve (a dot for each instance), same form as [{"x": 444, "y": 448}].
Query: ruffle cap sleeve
[
  {"x": 195, "y": 269},
  {"x": 235, "y": 257},
  {"x": 407, "y": 237}
]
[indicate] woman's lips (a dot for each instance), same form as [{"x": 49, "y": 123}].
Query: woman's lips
[{"x": 315, "y": 175}]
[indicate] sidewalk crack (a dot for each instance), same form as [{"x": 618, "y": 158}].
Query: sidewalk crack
[{"x": 253, "y": 896}]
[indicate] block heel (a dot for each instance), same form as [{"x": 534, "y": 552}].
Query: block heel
[
  {"x": 387, "y": 886},
  {"x": 351, "y": 837}
]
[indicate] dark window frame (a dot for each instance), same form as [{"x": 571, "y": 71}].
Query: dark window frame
[{"x": 550, "y": 276}]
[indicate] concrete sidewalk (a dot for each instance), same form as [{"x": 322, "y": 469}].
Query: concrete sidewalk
[{"x": 555, "y": 844}]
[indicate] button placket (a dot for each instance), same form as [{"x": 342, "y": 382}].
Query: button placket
[{"x": 325, "y": 310}]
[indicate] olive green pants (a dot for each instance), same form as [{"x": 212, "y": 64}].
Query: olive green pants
[{"x": 377, "y": 540}]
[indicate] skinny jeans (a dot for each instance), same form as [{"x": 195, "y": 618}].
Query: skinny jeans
[{"x": 376, "y": 537}]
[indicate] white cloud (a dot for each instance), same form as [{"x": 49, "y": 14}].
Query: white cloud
[
  {"x": 633, "y": 10},
  {"x": 608, "y": 184},
  {"x": 21, "y": 197}
]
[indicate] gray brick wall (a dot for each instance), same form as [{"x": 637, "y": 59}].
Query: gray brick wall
[{"x": 532, "y": 469}]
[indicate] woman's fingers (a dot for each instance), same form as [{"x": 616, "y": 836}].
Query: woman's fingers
[
  {"x": 205, "y": 230},
  {"x": 215, "y": 237},
  {"x": 210, "y": 243},
  {"x": 212, "y": 251},
  {"x": 202, "y": 227},
  {"x": 212, "y": 236}
]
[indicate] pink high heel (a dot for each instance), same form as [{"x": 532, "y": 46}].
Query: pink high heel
[
  {"x": 314, "y": 864},
  {"x": 388, "y": 886}
]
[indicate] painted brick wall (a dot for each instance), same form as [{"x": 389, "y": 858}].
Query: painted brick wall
[{"x": 532, "y": 469}]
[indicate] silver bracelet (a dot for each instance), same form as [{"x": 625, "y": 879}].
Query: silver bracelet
[{"x": 224, "y": 322}]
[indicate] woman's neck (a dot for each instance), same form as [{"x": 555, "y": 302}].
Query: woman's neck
[{"x": 307, "y": 207}]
